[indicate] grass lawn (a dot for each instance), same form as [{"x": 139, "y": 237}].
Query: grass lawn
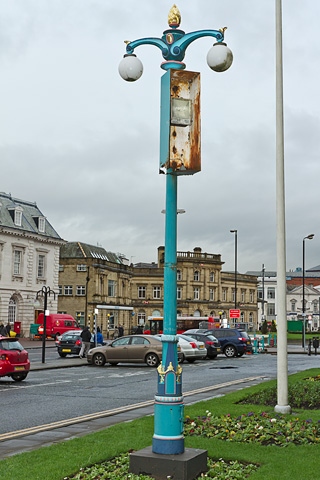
[{"x": 294, "y": 462}]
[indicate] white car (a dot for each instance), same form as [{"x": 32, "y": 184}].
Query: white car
[{"x": 191, "y": 349}]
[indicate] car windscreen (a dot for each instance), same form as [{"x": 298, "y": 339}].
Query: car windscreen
[
  {"x": 69, "y": 337},
  {"x": 9, "y": 345}
]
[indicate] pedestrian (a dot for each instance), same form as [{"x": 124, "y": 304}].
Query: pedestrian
[
  {"x": 3, "y": 330},
  {"x": 86, "y": 340},
  {"x": 8, "y": 329},
  {"x": 99, "y": 337},
  {"x": 120, "y": 331},
  {"x": 116, "y": 332},
  {"x": 139, "y": 330}
]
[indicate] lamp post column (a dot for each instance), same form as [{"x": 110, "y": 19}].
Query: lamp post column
[
  {"x": 235, "y": 265},
  {"x": 308, "y": 237},
  {"x": 179, "y": 155}
]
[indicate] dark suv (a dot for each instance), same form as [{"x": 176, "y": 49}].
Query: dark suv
[{"x": 234, "y": 342}]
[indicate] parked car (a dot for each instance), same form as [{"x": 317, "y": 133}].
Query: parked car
[
  {"x": 70, "y": 343},
  {"x": 191, "y": 349},
  {"x": 234, "y": 342},
  {"x": 128, "y": 349},
  {"x": 14, "y": 360},
  {"x": 211, "y": 343}
]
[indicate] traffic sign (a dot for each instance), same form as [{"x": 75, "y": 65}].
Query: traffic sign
[{"x": 235, "y": 313}]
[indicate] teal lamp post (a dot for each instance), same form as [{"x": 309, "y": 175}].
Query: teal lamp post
[{"x": 179, "y": 155}]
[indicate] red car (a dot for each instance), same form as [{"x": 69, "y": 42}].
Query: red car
[{"x": 14, "y": 360}]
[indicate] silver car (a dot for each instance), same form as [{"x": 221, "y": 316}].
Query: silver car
[{"x": 191, "y": 349}]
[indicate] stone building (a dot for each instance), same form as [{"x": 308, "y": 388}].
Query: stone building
[
  {"x": 29, "y": 259},
  {"x": 97, "y": 285},
  {"x": 94, "y": 286},
  {"x": 203, "y": 289}
]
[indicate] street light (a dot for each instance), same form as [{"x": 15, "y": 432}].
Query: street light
[
  {"x": 308, "y": 237},
  {"x": 179, "y": 155},
  {"x": 45, "y": 292},
  {"x": 235, "y": 265}
]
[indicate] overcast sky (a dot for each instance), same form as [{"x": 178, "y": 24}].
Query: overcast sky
[{"x": 84, "y": 144}]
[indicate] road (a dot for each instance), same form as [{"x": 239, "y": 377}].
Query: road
[{"x": 51, "y": 395}]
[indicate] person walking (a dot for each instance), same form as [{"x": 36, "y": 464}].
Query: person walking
[
  {"x": 120, "y": 331},
  {"x": 116, "y": 332},
  {"x": 99, "y": 337},
  {"x": 86, "y": 340},
  {"x": 3, "y": 330}
]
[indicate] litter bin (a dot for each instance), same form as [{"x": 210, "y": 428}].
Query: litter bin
[
  {"x": 17, "y": 328},
  {"x": 33, "y": 330}
]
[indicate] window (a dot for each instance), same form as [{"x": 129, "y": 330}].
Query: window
[
  {"x": 271, "y": 309},
  {"x": 179, "y": 293},
  {"x": 233, "y": 295},
  {"x": 141, "y": 318},
  {"x": 179, "y": 275},
  {"x": 271, "y": 293},
  {"x": 196, "y": 276},
  {"x": 80, "y": 318},
  {"x": 59, "y": 289},
  {"x": 42, "y": 224},
  {"x": 224, "y": 294},
  {"x": 315, "y": 306},
  {"x": 111, "y": 288},
  {"x": 17, "y": 262},
  {"x": 68, "y": 290},
  {"x": 81, "y": 268},
  {"x": 251, "y": 296},
  {"x": 211, "y": 294},
  {"x": 211, "y": 277},
  {"x": 61, "y": 268},
  {"x": 293, "y": 305},
  {"x": 41, "y": 266},
  {"x": 243, "y": 296},
  {"x": 157, "y": 292},
  {"x": 18, "y": 216},
  {"x": 196, "y": 293},
  {"x": 141, "y": 292},
  {"x": 251, "y": 317},
  {"x": 110, "y": 320},
  {"x": 81, "y": 290},
  {"x": 260, "y": 293},
  {"x": 12, "y": 311}
]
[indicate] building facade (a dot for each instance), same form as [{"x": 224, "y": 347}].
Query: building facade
[
  {"x": 267, "y": 295},
  {"x": 203, "y": 290},
  {"x": 96, "y": 285},
  {"x": 29, "y": 259}
]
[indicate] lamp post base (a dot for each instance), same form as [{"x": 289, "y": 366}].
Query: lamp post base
[{"x": 187, "y": 466}]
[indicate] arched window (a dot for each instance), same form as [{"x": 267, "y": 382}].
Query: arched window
[
  {"x": 179, "y": 275},
  {"x": 196, "y": 276},
  {"x": 12, "y": 311}
]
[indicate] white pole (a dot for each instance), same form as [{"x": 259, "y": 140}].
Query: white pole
[{"x": 282, "y": 357}]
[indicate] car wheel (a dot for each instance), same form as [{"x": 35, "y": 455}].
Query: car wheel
[
  {"x": 98, "y": 359},
  {"x": 62, "y": 354},
  {"x": 190, "y": 360},
  {"x": 230, "y": 351},
  {"x": 18, "y": 377},
  {"x": 152, "y": 360}
]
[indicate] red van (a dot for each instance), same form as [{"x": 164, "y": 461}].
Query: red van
[{"x": 57, "y": 324}]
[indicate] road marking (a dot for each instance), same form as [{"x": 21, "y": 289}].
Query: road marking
[
  {"x": 115, "y": 411},
  {"x": 33, "y": 386}
]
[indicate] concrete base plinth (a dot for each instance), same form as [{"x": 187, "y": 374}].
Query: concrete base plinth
[{"x": 186, "y": 466}]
